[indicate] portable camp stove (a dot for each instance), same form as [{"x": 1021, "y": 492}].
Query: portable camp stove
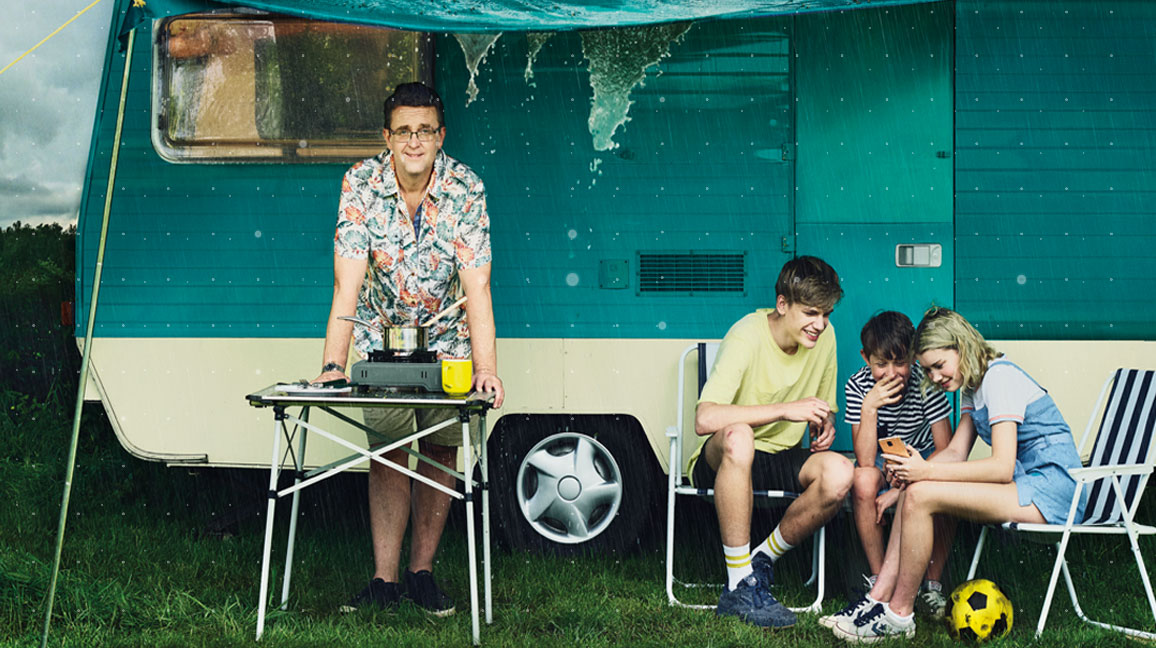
[{"x": 417, "y": 370}]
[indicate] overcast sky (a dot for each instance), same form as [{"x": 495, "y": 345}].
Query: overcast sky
[{"x": 47, "y": 101}]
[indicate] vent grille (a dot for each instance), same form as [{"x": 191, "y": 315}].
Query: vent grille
[{"x": 691, "y": 272}]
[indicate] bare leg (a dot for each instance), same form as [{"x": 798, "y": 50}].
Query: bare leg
[
  {"x": 430, "y": 507},
  {"x": 978, "y": 502},
  {"x": 730, "y": 452},
  {"x": 944, "y": 534},
  {"x": 826, "y": 478},
  {"x": 388, "y": 514},
  {"x": 889, "y": 572},
  {"x": 867, "y": 482}
]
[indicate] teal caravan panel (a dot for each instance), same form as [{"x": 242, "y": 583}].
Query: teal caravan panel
[
  {"x": 874, "y": 132},
  {"x": 874, "y": 118},
  {"x": 245, "y": 250},
  {"x": 212, "y": 250},
  {"x": 1056, "y": 169},
  {"x": 697, "y": 166}
]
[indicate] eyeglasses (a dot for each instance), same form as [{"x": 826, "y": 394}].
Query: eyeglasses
[{"x": 404, "y": 134}]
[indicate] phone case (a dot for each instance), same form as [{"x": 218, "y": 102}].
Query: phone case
[{"x": 893, "y": 445}]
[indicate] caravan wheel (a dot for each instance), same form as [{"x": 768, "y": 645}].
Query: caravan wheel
[{"x": 572, "y": 486}]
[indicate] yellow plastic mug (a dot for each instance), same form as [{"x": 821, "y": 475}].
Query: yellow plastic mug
[{"x": 457, "y": 376}]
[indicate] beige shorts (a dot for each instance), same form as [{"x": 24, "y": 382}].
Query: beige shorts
[{"x": 393, "y": 423}]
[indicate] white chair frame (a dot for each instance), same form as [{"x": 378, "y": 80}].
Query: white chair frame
[
  {"x": 1115, "y": 496},
  {"x": 677, "y": 485}
]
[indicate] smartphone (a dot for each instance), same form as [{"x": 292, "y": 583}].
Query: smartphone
[{"x": 893, "y": 446}]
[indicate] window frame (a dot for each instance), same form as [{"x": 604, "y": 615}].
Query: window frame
[{"x": 285, "y": 150}]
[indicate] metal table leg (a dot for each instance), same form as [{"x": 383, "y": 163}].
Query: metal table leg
[
  {"x": 464, "y": 417},
  {"x": 482, "y": 459},
  {"x": 299, "y": 466},
  {"x": 274, "y": 470}
]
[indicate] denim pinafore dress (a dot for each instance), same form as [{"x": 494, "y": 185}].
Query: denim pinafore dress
[{"x": 1045, "y": 450}]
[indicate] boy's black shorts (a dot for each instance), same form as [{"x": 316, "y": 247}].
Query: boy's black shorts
[{"x": 769, "y": 471}]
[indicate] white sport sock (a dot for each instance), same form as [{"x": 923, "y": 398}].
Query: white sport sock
[
  {"x": 738, "y": 561},
  {"x": 898, "y": 620},
  {"x": 774, "y": 546}
]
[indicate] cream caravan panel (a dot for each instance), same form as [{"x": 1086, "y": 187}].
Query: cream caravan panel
[
  {"x": 183, "y": 400},
  {"x": 1073, "y": 373},
  {"x": 635, "y": 377}
]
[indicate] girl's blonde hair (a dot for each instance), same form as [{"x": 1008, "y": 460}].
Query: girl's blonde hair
[{"x": 943, "y": 328}]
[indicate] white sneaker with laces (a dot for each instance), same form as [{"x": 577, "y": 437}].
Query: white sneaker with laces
[
  {"x": 875, "y": 624},
  {"x": 848, "y": 613}
]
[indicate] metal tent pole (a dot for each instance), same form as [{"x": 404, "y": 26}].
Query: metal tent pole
[{"x": 87, "y": 351}]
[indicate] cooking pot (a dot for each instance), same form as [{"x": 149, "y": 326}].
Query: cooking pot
[
  {"x": 397, "y": 340},
  {"x": 404, "y": 340}
]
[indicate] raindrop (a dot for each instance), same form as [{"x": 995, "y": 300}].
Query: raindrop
[
  {"x": 618, "y": 60},
  {"x": 535, "y": 42},
  {"x": 475, "y": 47}
]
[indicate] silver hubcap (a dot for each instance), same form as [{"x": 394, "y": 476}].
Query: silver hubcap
[{"x": 569, "y": 487}]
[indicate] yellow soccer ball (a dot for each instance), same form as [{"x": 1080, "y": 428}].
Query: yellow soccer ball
[{"x": 979, "y": 610}]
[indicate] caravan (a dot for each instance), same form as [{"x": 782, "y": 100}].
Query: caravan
[{"x": 645, "y": 182}]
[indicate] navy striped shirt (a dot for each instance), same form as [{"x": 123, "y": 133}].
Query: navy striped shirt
[{"x": 910, "y": 418}]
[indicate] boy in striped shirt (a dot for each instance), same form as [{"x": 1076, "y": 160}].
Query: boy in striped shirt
[{"x": 884, "y": 399}]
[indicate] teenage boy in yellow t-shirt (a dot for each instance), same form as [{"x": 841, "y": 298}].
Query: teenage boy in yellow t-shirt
[{"x": 773, "y": 379}]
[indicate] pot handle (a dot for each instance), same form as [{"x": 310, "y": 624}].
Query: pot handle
[{"x": 358, "y": 320}]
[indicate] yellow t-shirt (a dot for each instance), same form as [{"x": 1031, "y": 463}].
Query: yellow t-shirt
[{"x": 751, "y": 369}]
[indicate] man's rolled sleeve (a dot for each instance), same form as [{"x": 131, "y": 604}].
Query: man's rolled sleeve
[
  {"x": 351, "y": 241},
  {"x": 472, "y": 243}
]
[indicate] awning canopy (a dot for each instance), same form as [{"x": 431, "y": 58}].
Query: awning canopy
[{"x": 463, "y": 16}]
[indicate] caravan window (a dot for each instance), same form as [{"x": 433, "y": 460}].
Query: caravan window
[{"x": 277, "y": 89}]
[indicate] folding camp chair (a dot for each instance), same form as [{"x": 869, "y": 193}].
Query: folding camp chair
[
  {"x": 678, "y": 484},
  {"x": 1115, "y": 478}
]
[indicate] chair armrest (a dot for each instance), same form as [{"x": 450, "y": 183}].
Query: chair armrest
[{"x": 1099, "y": 472}]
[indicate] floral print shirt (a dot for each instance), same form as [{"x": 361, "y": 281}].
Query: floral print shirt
[{"x": 413, "y": 275}]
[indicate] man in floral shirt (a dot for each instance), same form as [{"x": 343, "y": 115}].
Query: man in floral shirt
[{"x": 412, "y": 236}]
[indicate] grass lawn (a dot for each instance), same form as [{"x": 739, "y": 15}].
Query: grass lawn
[{"x": 159, "y": 556}]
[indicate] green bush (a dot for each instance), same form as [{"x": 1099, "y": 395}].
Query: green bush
[{"x": 38, "y": 351}]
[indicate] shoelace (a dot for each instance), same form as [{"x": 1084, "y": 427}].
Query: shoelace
[
  {"x": 869, "y": 616},
  {"x": 852, "y": 607},
  {"x": 759, "y": 596}
]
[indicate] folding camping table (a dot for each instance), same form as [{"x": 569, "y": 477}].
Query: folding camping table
[{"x": 286, "y": 427}]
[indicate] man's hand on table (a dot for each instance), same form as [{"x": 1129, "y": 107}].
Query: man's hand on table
[
  {"x": 485, "y": 381},
  {"x": 328, "y": 376}
]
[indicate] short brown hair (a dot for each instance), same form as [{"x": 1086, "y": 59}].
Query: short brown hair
[
  {"x": 888, "y": 336},
  {"x": 414, "y": 95},
  {"x": 810, "y": 281}
]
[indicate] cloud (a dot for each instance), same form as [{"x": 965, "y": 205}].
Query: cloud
[{"x": 49, "y": 101}]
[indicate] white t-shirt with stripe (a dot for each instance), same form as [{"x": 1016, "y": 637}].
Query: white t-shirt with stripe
[{"x": 910, "y": 418}]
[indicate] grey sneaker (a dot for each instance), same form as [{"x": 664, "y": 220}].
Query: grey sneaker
[
  {"x": 378, "y": 595},
  {"x": 931, "y": 599},
  {"x": 846, "y": 614},
  {"x": 873, "y": 625},
  {"x": 753, "y": 603},
  {"x": 422, "y": 590}
]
